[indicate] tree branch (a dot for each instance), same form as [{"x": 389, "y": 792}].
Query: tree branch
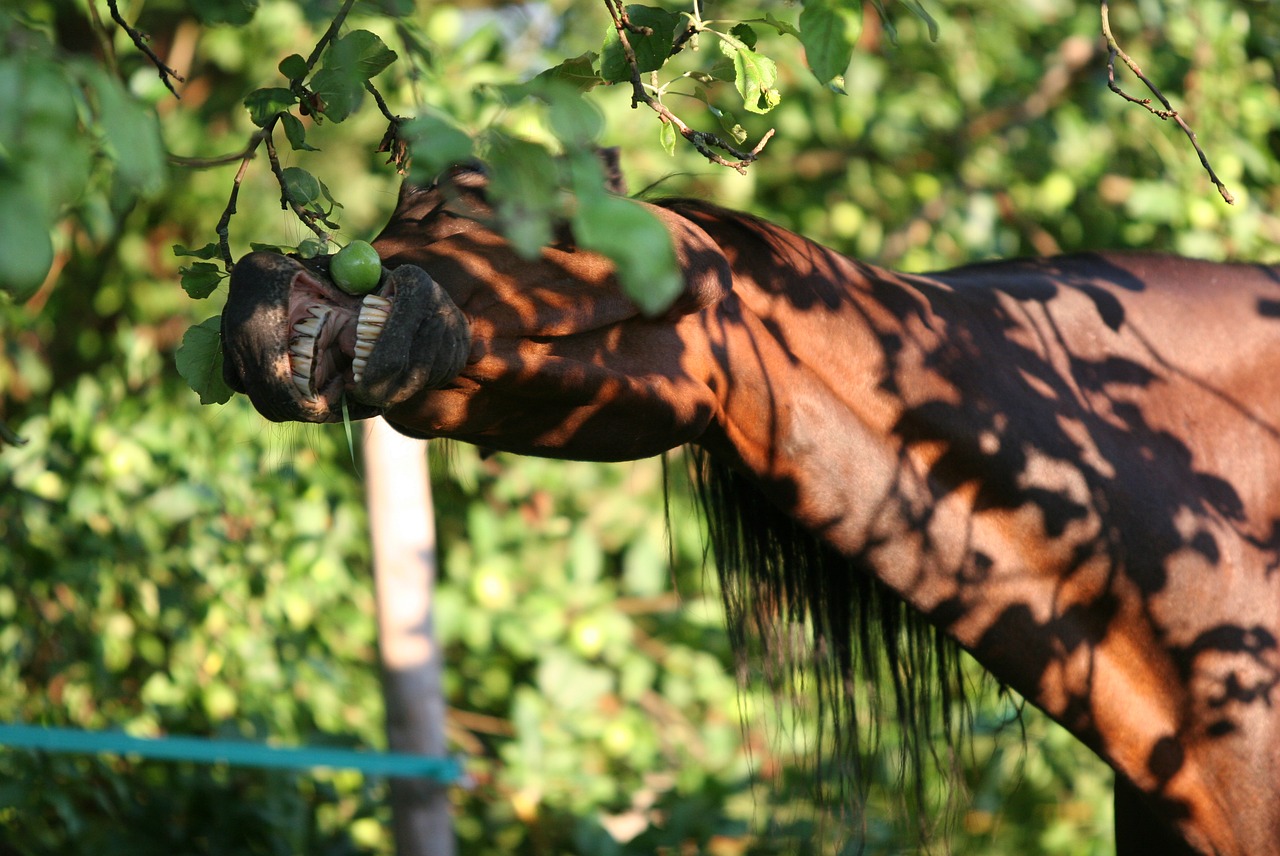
[
  {"x": 140, "y": 39},
  {"x": 1114, "y": 50},
  {"x": 705, "y": 142},
  {"x": 308, "y": 217},
  {"x": 223, "y": 228}
]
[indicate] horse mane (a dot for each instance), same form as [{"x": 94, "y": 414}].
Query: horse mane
[{"x": 870, "y": 658}]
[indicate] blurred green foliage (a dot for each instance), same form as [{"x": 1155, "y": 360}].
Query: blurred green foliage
[{"x": 172, "y": 568}]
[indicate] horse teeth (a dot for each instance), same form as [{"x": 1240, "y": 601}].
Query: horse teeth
[
  {"x": 303, "y": 384},
  {"x": 358, "y": 365},
  {"x": 308, "y": 327},
  {"x": 373, "y": 300},
  {"x": 303, "y": 347},
  {"x": 301, "y": 365},
  {"x": 363, "y": 348},
  {"x": 373, "y": 315},
  {"x": 368, "y": 331},
  {"x": 320, "y": 312}
]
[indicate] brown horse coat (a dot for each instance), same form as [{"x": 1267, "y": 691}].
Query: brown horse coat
[{"x": 1069, "y": 465}]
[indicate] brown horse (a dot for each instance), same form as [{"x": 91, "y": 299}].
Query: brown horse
[{"x": 1069, "y": 466}]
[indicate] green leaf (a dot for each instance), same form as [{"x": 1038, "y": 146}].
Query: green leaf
[
  {"x": 26, "y": 250},
  {"x": 828, "y": 30},
  {"x": 293, "y": 67},
  {"x": 651, "y": 51},
  {"x": 578, "y": 72},
  {"x": 918, "y": 8},
  {"x": 264, "y": 104},
  {"x": 436, "y": 144},
  {"x": 638, "y": 244},
  {"x": 132, "y": 135},
  {"x": 199, "y": 361},
  {"x": 782, "y": 27},
  {"x": 890, "y": 30},
  {"x": 728, "y": 122},
  {"x": 359, "y": 51},
  {"x": 234, "y": 12},
  {"x": 754, "y": 75},
  {"x": 525, "y": 191},
  {"x": 310, "y": 248},
  {"x": 667, "y": 136},
  {"x": 743, "y": 33},
  {"x": 296, "y": 133},
  {"x": 301, "y": 187},
  {"x": 573, "y": 119},
  {"x": 208, "y": 251},
  {"x": 340, "y": 91},
  {"x": 200, "y": 279}
]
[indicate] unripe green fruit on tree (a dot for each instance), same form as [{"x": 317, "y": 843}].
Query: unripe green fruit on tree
[{"x": 356, "y": 268}]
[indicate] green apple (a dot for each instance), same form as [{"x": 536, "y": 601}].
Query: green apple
[{"x": 356, "y": 268}]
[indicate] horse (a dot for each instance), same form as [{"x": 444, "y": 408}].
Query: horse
[{"x": 1065, "y": 466}]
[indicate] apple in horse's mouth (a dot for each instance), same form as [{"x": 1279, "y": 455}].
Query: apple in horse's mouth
[{"x": 356, "y": 268}]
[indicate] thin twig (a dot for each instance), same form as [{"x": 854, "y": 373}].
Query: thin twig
[
  {"x": 706, "y": 143},
  {"x": 224, "y": 222},
  {"x": 308, "y": 217},
  {"x": 140, "y": 39},
  {"x": 219, "y": 160},
  {"x": 329, "y": 34},
  {"x": 1114, "y": 50}
]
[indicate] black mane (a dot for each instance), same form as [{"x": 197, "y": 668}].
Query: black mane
[{"x": 864, "y": 640}]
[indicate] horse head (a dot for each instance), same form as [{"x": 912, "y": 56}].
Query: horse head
[{"x": 464, "y": 338}]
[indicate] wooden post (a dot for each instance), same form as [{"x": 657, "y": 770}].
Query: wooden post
[{"x": 402, "y": 526}]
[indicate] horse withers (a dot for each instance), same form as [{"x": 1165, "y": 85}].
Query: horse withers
[{"x": 1068, "y": 466}]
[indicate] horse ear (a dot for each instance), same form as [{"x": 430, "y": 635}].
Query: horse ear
[{"x": 707, "y": 275}]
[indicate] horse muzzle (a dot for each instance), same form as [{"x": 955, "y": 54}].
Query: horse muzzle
[{"x": 303, "y": 350}]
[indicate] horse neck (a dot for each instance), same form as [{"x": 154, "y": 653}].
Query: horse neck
[
  {"x": 939, "y": 439},
  {"x": 844, "y": 393},
  {"x": 821, "y": 362}
]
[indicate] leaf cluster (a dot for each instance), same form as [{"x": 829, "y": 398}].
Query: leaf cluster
[{"x": 108, "y": 149}]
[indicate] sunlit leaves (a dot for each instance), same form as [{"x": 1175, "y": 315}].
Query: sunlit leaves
[
  {"x": 199, "y": 361},
  {"x": 828, "y": 31},
  {"x": 651, "y": 49},
  {"x": 578, "y": 73},
  {"x": 50, "y": 167},
  {"x": 348, "y": 64},
  {"x": 755, "y": 75}
]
